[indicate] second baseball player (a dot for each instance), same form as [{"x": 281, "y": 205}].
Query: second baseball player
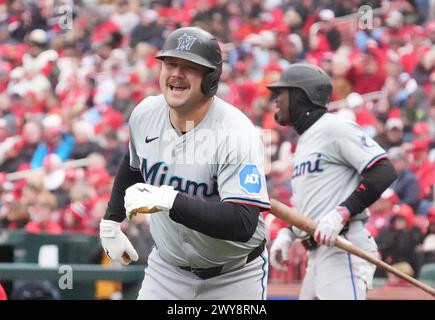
[{"x": 338, "y": 172}]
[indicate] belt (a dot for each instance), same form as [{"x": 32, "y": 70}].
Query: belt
[
  {"x": 207, "y": 273},
  {"x": 311, "y": 244}
]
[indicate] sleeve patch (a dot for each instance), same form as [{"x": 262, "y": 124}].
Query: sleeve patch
[
  {"x": 367, "y": 141},
  {"x": 250, "y": 178}
]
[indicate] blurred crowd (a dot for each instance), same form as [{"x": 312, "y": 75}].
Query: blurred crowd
[{"x": 70, "y": 78}]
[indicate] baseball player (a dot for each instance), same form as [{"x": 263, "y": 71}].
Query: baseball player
[
  {"x": 195, "y": 165},
  {"x": 338, "y": 172}
]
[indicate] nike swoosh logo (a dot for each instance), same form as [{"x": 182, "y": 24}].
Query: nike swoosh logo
[
  {"x": 151, "y": 139},
  {"x": 142, "y": 189}
]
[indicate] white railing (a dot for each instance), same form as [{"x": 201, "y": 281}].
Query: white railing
[
  {"x": 367, "y": 97},
  {"x": 65, "y": 165},
  {"x": 349, "y": 22}
]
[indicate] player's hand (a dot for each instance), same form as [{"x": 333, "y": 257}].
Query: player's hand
[
  {"x": 329, "y": 226},
  {"x": 297, "y": 233},
  {"x": 115, "y": 243},
  {"x": 279, "y": 249},
  {"x": 146, "y": 198}
]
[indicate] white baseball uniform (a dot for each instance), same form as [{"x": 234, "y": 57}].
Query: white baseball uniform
[
  {"x": 329, "y": 159},
  {"x": 220, "y": 159}
]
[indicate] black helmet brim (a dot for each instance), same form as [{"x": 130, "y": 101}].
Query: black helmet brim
[{"x": 188, "y": 56}]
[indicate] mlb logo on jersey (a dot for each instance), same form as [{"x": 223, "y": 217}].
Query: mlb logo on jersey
[
  {"x": 367, "y": 141},
  {"x": 185, "y": 42},
  {"x": 250, "y": 178}
]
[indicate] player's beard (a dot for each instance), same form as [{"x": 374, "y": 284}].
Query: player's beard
[
  {"x": 183, "y": 101},
  {"x": 279, "y": 119},
  {"x": 190, "y": 104},
  {"x": 282, "y": 114}
]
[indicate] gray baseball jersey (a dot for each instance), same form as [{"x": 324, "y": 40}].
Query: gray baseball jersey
[
  {"x": 219, "y": 160},
  {"x": 329, "y": 158}
]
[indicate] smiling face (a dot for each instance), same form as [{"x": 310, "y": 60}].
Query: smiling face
[{"x": 180, "y": 82}]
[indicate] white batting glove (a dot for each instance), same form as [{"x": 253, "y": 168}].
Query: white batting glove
[
  {"x": 115, "y": 243},
  {"x": 330, "y": 225},
  {"x": 297, "y": 233},
  {"x": 148, "y": 199},
  {"x": 279, "y": 249}
]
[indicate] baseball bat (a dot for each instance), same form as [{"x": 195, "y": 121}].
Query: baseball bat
[{"x": 293, "y": 217}]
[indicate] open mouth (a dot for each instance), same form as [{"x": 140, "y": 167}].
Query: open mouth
[{"x": 177, "y": 88}]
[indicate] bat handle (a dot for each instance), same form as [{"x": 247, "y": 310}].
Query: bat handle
[{"x": 349, "y": 247}]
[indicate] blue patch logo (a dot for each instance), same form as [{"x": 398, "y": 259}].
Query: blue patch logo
[{"x": 250, "y": 178}]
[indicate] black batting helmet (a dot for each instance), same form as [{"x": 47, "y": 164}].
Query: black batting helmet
[
  {"x": 311, "y": 79},
  {"x": 198, "y": 46}
]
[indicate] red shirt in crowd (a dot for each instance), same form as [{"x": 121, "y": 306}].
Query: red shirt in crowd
[
  {"x": 3, "y": 295},
  {"x": 51, "y": 228},
  {"x": 426, "y": 177}
]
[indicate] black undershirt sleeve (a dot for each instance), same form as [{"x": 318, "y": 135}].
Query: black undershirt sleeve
[
  {"x": 125, "y": 177},
  {"x": 221, "y": 220},
  {"x": 375, "y": 180}
]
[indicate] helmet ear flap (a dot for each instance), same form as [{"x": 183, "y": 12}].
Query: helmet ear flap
[{"x": 210, "y": 82}]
